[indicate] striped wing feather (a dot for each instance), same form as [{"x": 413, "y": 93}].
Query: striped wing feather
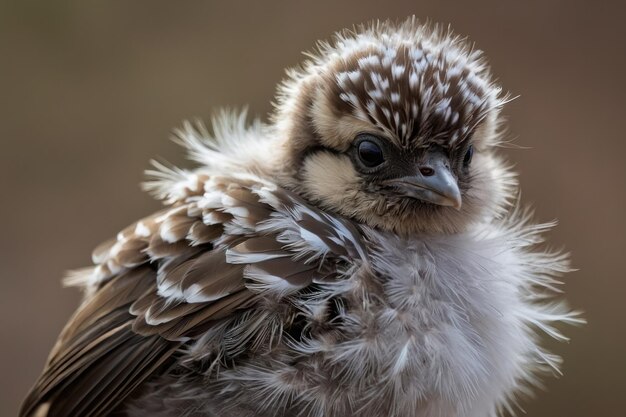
[{"x": 165, "y": 279}]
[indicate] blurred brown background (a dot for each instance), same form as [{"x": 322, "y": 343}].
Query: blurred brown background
[{"x": 89, "y": 92}]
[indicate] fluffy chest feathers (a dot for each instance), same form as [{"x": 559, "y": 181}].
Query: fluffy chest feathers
[{"x": 426, "y": 326}]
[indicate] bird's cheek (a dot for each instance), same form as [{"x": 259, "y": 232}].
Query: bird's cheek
[{"x": 329, "y": 178}]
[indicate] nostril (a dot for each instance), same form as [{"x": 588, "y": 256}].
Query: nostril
[{"x": 427, "y": 171}]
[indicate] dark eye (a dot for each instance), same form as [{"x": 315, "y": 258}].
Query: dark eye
[
  {"x": 370, "y": 154},
  {"x": 467, "y": 159}
]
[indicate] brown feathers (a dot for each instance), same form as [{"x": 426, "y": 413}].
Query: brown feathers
[
  {"x": 98, "y": 360},
  {"x": 168, "y": 279}
]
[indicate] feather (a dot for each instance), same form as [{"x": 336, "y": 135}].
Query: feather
[{"x": 200, "y": 233}]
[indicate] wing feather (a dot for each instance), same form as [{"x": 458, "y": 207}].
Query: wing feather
[{"x": 166, "y": 280}]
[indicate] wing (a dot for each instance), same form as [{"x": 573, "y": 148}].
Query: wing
[{"x": 168, "y": 278}]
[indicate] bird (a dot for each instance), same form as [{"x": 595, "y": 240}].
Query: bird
[{"x": 364, "y": 252}]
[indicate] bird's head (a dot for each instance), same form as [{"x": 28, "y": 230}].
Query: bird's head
[{"x": 395, "y": 126}]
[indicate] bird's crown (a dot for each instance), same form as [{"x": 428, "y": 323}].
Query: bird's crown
[{"x": 417, "y": 83}]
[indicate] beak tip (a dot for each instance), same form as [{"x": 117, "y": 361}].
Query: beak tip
[
  {"x": 455, "y": 202},
  {"x": 458, "y": 201},
  {"x": 451, "y": 196}
]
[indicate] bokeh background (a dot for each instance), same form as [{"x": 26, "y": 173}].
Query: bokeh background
[{"x": 90, "y": 90}]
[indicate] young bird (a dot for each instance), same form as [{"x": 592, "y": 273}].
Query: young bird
[{"x": 360, "y": 255}]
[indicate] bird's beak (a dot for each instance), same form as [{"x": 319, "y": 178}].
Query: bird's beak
[{"x": 433, "y": 182}]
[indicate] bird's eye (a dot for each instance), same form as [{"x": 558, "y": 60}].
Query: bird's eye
[
  {"x": 370, "y": 154},
  {"x": 467, "y": 159}
]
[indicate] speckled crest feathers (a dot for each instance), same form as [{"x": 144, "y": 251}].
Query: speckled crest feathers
[
  {"x": 414, "y": 81},
  {"x": 245, "y": 297}
]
